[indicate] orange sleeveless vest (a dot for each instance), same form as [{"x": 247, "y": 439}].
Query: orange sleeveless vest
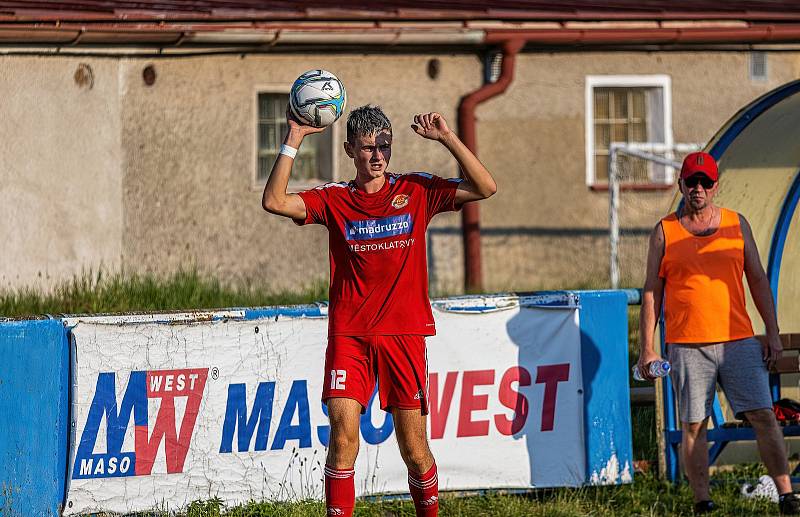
[{"x": 703, "y": 291}]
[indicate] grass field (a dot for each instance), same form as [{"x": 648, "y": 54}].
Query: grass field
[
  {"x": 102, "y": 293},
  {"x": 646, "y": 497},
  {"x": 99, "y": 292}
]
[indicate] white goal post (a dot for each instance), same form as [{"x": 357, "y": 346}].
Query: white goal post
[{"x": 652, "y": 152}]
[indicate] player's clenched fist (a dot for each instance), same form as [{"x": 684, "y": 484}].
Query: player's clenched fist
[{"x": 430, "y": 125}]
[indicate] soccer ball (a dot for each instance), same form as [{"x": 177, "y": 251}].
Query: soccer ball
[{"x": 317, "y": 98}]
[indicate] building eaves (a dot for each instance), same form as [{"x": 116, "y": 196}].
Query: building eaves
[
  {"x": 230, "y": 10},
  {"x": 266, "y": 26}
]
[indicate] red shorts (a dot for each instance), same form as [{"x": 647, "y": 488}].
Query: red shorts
[{"x": 400, "y": 364}]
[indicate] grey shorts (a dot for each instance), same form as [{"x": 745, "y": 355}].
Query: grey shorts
[{"x": 737, "y": 366}]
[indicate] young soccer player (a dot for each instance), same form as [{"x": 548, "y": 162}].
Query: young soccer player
[{"x": 379, "y": 310}]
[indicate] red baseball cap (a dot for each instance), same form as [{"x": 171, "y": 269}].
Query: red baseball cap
[{"x": 699, "y": 163}]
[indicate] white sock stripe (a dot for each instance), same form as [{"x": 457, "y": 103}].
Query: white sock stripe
[
  {"x": 339, "y": 474},
  {"x": 338, "y": 477},
  {"x": 423, "y": 484},
  {"x": 338, "y": 470},
  {"x": 417, "y": 480},
  {"x": 431, "y": 482}
]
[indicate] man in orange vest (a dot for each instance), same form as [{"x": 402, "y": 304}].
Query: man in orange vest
[{"x": 696, "y": 260}]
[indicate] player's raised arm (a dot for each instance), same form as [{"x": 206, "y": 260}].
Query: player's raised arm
[
  {"x": 478, "y": 182},
  {"x": 275, "y": 199}
]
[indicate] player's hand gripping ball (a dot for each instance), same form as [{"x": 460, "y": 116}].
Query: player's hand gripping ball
[{"x": 317, "y": 98}]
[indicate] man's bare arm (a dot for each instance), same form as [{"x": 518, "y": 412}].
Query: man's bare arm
[
  {"x": 762, "y": 294},
  {"x": 651, "y": 299},
  {"x": 478, "y": 181},
  {"x": 275, "y": 199}
]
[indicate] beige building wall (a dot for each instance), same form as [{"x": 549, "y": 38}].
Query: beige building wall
[
  {"x": 533, "y": 138},
  {"x": 158, "y": 177},
  {"x": 545, "y": 227},
  {"x": 60, "y": 168},
  {"x": 190, "y": 193}
]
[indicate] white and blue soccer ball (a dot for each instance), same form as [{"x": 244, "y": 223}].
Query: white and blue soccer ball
[{"x": 317, "y": 98}]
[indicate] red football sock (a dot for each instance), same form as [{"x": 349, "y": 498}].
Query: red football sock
[
  {"x": 340, "y": 491},
  {"x": 425, "y": 492}
]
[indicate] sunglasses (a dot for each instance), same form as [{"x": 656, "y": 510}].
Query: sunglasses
[{"x": 705, "y": 181}]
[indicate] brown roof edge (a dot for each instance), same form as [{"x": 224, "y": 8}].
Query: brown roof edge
[
  {"x": 418, "y": 16},
  {"x": 758, "y": 33},
  {"x": 138, "y": 11},
  {"x": 390, "y": 35}
]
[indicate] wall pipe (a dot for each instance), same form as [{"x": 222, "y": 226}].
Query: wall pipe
[
  {"x": 512, "y": 42},
  {"x": 470, "y": 215}
]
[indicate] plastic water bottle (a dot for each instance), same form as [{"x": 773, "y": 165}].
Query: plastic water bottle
[{"x": 658, "y": 368}]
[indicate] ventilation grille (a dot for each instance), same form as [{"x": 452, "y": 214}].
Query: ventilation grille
[
  {"x": 493, "y": 67},
  {"x": 758, "y": 66}
]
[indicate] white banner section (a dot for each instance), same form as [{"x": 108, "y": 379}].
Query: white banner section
[{"x": 165, "y": 414}]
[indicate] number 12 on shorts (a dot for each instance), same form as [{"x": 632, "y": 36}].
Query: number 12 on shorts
[{"x": 337, "y": 379}]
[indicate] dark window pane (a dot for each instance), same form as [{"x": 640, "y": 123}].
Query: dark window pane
[
  {"x": 638, "y": 132},
  {"x": 264, "y": 106},
  {"x": 281, "y": 102},
  {"x": 263, "y": 143},
  {"x": 601, "y": 136},
  {"x": 638, "y": 103},
  {"x": 621, "y": 115},
  {"x": 271, "y": 130},
  {"x": 619, "y": 133},
  {"x": 305, "y": 167},
  {"x": 601, "y": 103},
  {"x": 620, "y": 103}
]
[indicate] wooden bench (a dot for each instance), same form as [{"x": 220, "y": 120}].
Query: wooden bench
[
  {"x": 725, "y": 432},
  {"x": 787, "y": 363}
]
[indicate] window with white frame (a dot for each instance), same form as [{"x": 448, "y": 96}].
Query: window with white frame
[
  {"x": 627, "y": 109},
  {"x": 314, "y": 161}
]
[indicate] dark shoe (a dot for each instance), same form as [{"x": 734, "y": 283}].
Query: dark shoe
[
  {"x": 704, "y": 507},
  {"x": 789, "y": 504}
]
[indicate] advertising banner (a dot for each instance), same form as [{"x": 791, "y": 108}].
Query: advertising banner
[{"x": 165, "y": 413}]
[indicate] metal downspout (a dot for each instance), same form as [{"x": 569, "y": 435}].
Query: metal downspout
[{"x": 470, "y": 215}]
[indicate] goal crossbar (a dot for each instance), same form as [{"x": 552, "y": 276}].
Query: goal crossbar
[{"x": 655, "y": 152}]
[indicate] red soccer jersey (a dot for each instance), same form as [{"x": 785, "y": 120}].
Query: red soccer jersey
[{"x": 379, "y": 271}]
